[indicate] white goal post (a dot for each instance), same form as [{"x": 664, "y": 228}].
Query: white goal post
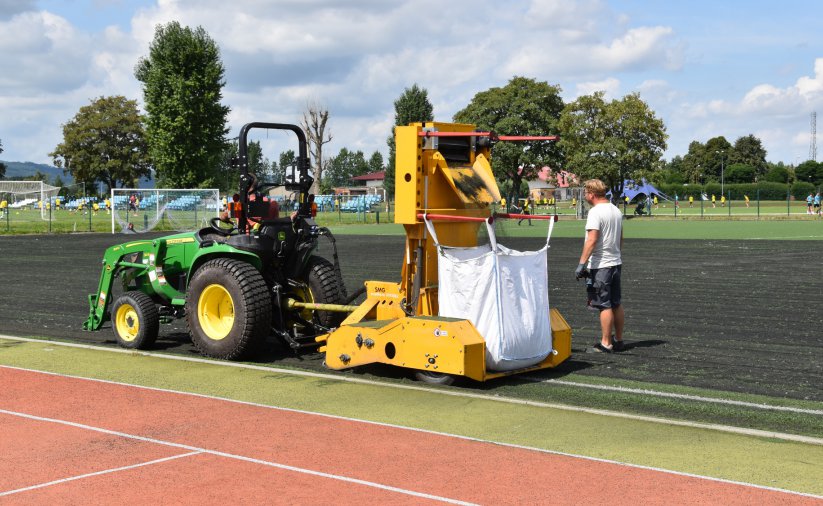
[
  {"x": 28, "y": 195},
  {"x": 181, "y": 210}
]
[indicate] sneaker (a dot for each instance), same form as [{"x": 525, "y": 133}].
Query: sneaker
[
  {"x": 599, "y": 348},
  {"x": 618, "y": 345}
]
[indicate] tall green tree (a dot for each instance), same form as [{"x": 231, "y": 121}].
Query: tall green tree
[
  {"x": 346, "y": 165},
  {"x": 777, "y": 173},
  {"x": 2, "y": 165},
  {"x": 613, "y": 141},
  {"x": 809, "y": 172},
  {"x": 749, "y": 150},
  {"x": 182, "y": 87},
  {"x": 716, "y": 158},
  {"x": 104, "y": 142},
  {"x": 523, "y": 106},
  {"x": 412, "y": 106},
  {"x": 376, "y": 162}
]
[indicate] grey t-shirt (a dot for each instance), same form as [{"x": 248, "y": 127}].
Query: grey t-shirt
[{"x": 608, "y": 219}]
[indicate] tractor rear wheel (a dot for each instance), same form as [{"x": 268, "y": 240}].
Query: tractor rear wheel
[
  {"x": 228, "y": 308},
  {"x": 322, "y": 286},
  {"x": 135, "y": 320}
]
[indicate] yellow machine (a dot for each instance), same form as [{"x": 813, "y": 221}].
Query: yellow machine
[{"x": 444, "y": 170}]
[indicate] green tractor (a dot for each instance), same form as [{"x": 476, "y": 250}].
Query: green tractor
[{"x": 235, "y": 286}]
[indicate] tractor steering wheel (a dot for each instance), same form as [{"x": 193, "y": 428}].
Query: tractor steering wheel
[{"x": 225, "y": 232}]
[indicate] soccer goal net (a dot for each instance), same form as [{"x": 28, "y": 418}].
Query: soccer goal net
[
  {"x": 35, "y": 195},
  {"x": 140, "y": 210}
]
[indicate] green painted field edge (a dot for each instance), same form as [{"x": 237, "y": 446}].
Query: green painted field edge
[
  {"x": 549, "y": 379},
  {"x": 721, "y": 395}
]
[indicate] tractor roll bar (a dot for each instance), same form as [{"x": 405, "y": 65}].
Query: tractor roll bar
[{"x": 303, "y": 185}]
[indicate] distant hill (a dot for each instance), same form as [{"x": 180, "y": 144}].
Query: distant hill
[{"x": 21, "y": 170}]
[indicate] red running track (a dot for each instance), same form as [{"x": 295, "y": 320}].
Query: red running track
[{"x": 151, "y": 446}]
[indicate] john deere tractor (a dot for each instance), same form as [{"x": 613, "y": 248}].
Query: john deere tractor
[{"x": 234, "y": 286}]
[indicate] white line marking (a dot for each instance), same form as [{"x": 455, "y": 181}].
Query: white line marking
[
  {"x": 195, "y": 449},
  {"x": 98, "y": 473},
  {"x": 657, "y": 393},
  {"x": 415, "y": 429},
  {"x": 439, "y": 391}
]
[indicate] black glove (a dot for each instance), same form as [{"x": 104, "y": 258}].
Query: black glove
[{"x": 581, "y": 272}]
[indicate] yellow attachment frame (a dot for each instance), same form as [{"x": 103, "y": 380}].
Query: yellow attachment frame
[{"x": 441, "y": 169}]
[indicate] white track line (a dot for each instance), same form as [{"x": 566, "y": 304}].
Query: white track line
[
  {"x": 98, "y": 473},
  {"x": 440, "y": 391},
  {"x": 195, "y": 449},
  {"x": 689, "y": 397},
  {"x": 415, "y": 429}
]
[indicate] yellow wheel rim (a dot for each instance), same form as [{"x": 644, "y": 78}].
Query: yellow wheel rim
[
  {"x": 303, "y": 294},
  {"x": 215, "y": 311},
  {"x": 127, "y": 322}
]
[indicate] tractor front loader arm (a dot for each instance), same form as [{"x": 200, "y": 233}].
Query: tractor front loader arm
[{"x": 114, "y": 261}]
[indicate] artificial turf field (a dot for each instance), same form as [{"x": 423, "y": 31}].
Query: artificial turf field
[{"x": 730, "y": 318}]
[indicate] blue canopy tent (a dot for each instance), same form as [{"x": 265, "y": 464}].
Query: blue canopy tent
[{"x": 632, "y": 189}]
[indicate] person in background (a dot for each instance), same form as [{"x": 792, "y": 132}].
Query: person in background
[
  {"x": 746, "y": 198},
  {"x": 817, "y": 204},
  {"x": 722, "y": 201},
  {"x": 312, "y": 205},
  {"x": 809, "y": 201},
  {"x": 714, "y": 201},
  {"x": 691, "y": 200},
  {"x": 527, "y": 209},
  {"x": 602, "y": 260}
]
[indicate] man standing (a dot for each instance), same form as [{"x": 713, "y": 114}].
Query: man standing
[{"x": 601, "y": 259}]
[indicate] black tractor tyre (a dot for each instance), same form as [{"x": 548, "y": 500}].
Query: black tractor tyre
[
  {"x": 326, "y": 288},
  {"x": 135, "y": 320},
  {"x": 434, "y": 378},
  {"x": 228, "y": 309}
]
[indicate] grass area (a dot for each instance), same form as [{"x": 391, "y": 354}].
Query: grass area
[
  {"x": 688, "y": 225},
  {"x": 641, "y": 228}
]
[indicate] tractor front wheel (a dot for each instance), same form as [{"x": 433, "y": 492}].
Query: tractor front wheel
[
  {"x": 135, "y": 320},
  {"x": 228, "y": 308}
]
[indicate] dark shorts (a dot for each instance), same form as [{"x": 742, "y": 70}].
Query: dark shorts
[{"x": 606, "y": 287}]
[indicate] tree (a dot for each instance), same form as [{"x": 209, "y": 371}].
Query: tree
[
  {"x": 104, "y": 142},
  {"x": 694, "y": 162},
  {"x": 376, "y": 162},
  {"x": 523, "y": 107},
  {"x": 809, "y": 172},
  {"x": 748, "y": 150},
  {"x": 2, "y": 165},
  {"x": 716, "y": 158},
  {"x": 614, "y": 141},
  {"x": 777, "y": 174},
  {"x": 412, "y": 106},
  {"x": 740, "y": 173},
  {"x": 344, "y": 166},
  {"x": 182, "y": 87},
  {"x": 314, "y": 122}
]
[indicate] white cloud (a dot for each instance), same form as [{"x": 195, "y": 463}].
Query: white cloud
[{"x": 610, "y": 86}]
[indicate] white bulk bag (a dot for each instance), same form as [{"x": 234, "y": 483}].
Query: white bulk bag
[{"x": 504, "y": 293}]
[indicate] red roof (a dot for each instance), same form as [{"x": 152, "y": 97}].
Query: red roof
[{"x": 374, "y": 176}]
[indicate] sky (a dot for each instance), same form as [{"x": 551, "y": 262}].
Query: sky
[{"x": 706, "y": 68}]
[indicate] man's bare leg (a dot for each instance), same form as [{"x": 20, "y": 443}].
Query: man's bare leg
[{"x": 606, "y": 324}]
